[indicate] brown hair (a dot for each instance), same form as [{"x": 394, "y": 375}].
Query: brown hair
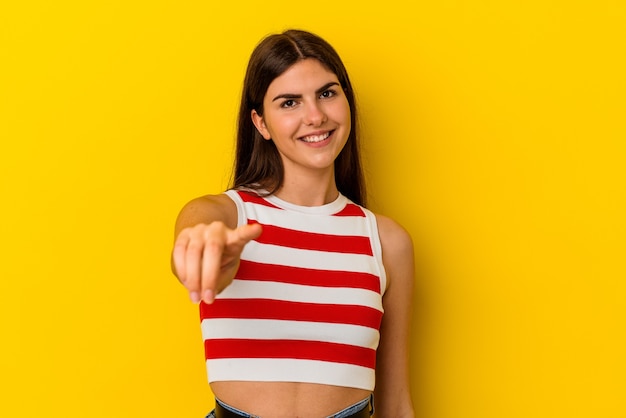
[{"x": 257, "y": 162}]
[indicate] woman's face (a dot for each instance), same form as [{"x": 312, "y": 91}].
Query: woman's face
[{"x": 307, "y": 115}]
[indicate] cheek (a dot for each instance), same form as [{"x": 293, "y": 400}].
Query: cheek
[
  {"x": 284, "y": 125},
  {"x": 343, "y": 107},
  {"x": 343, "y": 113}
]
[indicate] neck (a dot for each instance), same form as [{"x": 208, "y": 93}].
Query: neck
[{"x": 309, "y": 190}]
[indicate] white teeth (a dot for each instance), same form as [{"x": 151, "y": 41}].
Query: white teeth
[{"x": 316, "y": 138}]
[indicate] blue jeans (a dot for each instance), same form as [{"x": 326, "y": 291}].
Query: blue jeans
[{"x": 341, "y": 414}]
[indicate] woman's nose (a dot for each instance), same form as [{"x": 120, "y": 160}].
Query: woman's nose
[{"x": 314, "y": 115}]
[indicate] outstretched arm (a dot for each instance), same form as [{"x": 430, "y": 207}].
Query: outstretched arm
[{"x": 393, "y": 398}]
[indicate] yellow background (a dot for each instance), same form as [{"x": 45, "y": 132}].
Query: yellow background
[{"x": 494, "y": 132}]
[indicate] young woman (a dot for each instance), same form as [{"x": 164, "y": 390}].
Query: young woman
[{"x": 304, "y": 293}]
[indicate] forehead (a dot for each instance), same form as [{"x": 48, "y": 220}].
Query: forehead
[{"x": 304, "y": 76}]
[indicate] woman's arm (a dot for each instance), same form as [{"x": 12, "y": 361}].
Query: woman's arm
[
  {"x": 393, "y": 397},
  {"x": 208, "y": 245}
]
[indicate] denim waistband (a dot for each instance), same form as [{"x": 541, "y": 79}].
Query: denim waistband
[{"x": 344, "y": 413}]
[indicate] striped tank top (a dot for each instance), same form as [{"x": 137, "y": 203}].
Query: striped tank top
[{"x": 306, "y": 302}]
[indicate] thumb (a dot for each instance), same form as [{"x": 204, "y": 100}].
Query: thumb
[{"x": 246, "y": 233}]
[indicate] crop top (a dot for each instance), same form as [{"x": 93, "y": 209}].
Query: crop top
[{"x": 306, "y": 302}]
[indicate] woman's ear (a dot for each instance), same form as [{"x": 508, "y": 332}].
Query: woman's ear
[{"x": 260, "y": 124}]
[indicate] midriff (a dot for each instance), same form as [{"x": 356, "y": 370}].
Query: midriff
[{"x": 287, "y": 399}]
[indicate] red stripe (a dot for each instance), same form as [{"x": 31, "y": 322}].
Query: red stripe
[
  {"x": 351, "y": 210},
  {"x": 253, "y": 198},
  {"x": 290, "y": 349},
  {"x": 250, "y": 270},
  {"x": 285, "y": 237},
  {"x": 292, "y": 311}
]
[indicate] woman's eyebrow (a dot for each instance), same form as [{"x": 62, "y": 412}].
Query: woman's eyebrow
[
  {"x": 326, "y": 87},
  {"x": 298, "y": 96}
]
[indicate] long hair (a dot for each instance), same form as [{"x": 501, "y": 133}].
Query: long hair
[{"x": 257, "y": 162}]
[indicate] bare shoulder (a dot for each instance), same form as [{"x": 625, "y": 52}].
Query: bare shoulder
[
  {"x": 397, "y": 248},
  {"x": 395, "y": 240},
  {"x": 207, "y": 209}
]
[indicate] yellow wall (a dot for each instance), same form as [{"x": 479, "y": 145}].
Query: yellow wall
[{"x": 495, "y": 134}]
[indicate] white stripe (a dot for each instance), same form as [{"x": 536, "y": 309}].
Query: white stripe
[
  {"x": 251, "y": 289},
  {"x": 291, "y": 370},
  {"x": 295, "y": 257},
  {"x": 331, "y": 225},
  {"x": 270, "y": 329},
  {"x": 326, "y": 209}
]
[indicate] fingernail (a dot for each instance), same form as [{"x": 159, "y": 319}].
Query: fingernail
[
  {"x": 208, "y": 296},
  {"x": 194, "y": 296}
]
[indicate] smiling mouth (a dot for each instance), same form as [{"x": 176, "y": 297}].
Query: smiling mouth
[{"x": 316, "y": 138}]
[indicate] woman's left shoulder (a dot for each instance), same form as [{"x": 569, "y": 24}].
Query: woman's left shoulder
[
  {"x": 393, "y": 236},
  {"x": 397, "y": 249}
]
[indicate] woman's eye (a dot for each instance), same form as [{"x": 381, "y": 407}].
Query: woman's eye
[
  {"x": 289, "y": 103},
  {"x": 327, "y": 94}
]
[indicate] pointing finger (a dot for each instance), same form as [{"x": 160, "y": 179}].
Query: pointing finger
[{"x": 215, "y": 240}]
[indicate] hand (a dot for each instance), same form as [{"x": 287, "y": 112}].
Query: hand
[{"x": 206, "y": 257}]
